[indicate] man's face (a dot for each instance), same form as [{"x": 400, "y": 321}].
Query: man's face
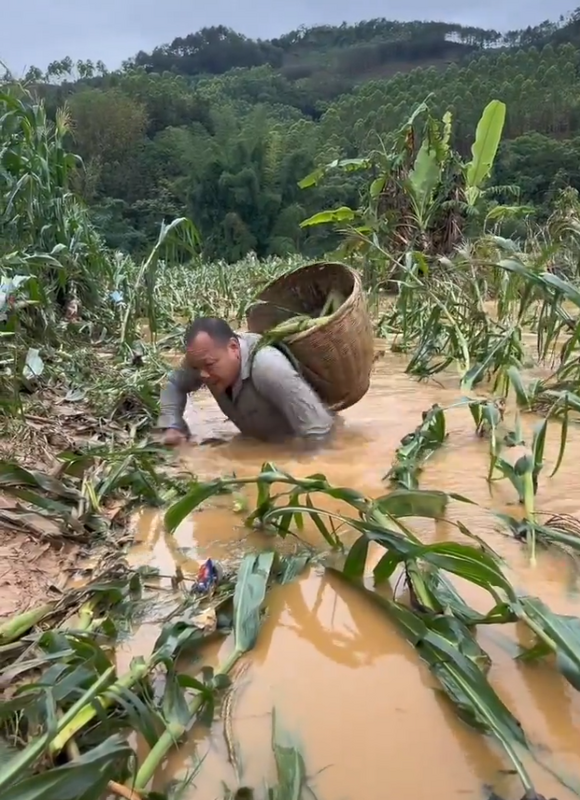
[{"x": 218, "y": 364}]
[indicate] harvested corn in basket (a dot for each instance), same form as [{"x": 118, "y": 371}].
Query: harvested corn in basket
[{"x": 319, "y": 313}]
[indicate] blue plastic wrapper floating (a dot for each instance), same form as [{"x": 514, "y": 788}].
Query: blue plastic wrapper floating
[{"x": 209, "y": 576}]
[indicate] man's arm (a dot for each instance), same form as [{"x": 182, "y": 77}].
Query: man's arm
[
  {"x": 181, "y": 382},
  {"x": 274, "y": 377}
]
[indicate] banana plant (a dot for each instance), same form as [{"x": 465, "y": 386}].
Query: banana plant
[{"x": 417, "y": 195}]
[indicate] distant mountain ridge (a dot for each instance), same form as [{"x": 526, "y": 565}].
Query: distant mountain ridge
[{"x": 372, "y": 46}]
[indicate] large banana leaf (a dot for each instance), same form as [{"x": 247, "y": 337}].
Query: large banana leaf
[
  {"x": 484, "y": 148},
  {"x": 341, "y": 214}
]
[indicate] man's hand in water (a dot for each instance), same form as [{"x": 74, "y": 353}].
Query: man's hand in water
[{"x": 174, "y": 437}]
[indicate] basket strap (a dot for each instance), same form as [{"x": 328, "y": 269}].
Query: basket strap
[{"x": 285, "y": 350}]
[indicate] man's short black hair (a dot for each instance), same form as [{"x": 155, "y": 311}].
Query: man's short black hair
[{"x": 217, "y": 328}]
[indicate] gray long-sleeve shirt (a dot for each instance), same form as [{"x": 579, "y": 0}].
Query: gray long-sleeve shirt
[{"x": 270, "y": 400}]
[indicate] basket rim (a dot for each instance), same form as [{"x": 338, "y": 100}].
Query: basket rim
[
  {"x": 337, "y": 315},
  {"x": 340, "y": 313}
]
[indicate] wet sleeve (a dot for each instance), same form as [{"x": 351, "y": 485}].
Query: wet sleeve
[
  {"x": 181, "y": 382},
  {"x": 275, "y": 378}
]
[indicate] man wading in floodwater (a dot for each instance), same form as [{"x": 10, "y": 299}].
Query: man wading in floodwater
[{"x": 260, "y": 392}]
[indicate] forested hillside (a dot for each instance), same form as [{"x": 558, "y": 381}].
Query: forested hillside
[{"x": 222, "y": 128}]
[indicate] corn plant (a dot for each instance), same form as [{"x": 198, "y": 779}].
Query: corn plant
[
  {"x": 77, "y": 502},
  {"x": 417, "y": 447},
  {"x": 81, "y": 707},
  {"x": 438, "y": 622}
]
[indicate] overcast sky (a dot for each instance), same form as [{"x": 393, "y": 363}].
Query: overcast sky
[{"x": 39, "y": 31}]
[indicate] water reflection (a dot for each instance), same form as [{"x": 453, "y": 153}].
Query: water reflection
[{"x": 309, "y": 610}]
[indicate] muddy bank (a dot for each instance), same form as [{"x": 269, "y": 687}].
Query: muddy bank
[{"x": 32, "y": 571}]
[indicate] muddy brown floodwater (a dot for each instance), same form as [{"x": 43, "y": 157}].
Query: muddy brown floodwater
[{"x": 341, "y": 678}]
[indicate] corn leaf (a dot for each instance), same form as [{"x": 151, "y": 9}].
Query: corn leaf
[
  {"x": 83, "y": 779},
  {"x": 454, "y": 658},
  {"x": 413, "y": 503},
  {"x": 19, "y": 764},
  {"x": 291, "y": 567},
  {"x": 13, "y": 475},
  {"x": 448, "y": 600},
  {"x": 290, "y": 766},
  {"x": 559, "y": 632},
  {"x": 354, "y": 566},
  {"x": 179, "y": 510},
  {"x": 249, "y": 596},
  {"x": 466, "y": 562}
]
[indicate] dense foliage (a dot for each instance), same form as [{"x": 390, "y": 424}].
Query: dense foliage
[{"x": 221, "y": 128}]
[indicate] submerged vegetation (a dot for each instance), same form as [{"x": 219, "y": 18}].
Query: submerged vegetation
[
  {"x": 87, "y": 334},
  {"x": 80, "y": 706}
]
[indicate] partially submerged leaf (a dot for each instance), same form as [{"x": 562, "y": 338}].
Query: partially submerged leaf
[
  {"x": 450, "y": 601},
  {"x": 559, "y": 632},
  {"x": 290, "y": 766},
  {"x": 249, "y": 596},
  {"x": 356, "y": 559},
  {"x": 199, "y": 492},
  {"x": 414, "y": 503},
  {"x": 455, "y": 659},
  {"x": 291, "y": 567}
]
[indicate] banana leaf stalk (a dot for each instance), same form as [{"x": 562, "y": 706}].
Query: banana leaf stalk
[{"x": 249, "y": 596}]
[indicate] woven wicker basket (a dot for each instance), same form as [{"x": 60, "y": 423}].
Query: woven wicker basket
[{"x": 335, "y": 358}]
